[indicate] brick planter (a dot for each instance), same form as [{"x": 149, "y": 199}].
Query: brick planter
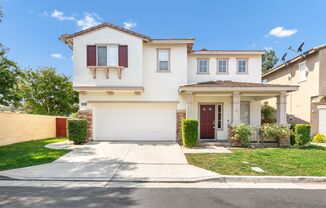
[{"x": 88, "y": 116}]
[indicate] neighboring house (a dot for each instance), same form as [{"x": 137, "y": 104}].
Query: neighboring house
[
  {"x": 308, "y": 71},
  {"x": 133, "y": 87}
]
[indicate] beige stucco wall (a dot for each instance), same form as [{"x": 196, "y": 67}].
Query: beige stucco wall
[
  {"x": 16, "y": 127},
  {"x": 298, "y": 102}
]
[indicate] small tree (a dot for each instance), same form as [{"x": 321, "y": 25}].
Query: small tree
[
  {"x": 268, "y": 113},
  {"x": 269, "y": 60}
]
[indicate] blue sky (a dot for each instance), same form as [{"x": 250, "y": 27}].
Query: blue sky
[{"x": 30, "y": 29}]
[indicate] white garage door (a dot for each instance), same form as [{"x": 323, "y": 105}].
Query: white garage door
[
  {"x": 322, "y": 121},
  {"x": 134, "y": 121}
]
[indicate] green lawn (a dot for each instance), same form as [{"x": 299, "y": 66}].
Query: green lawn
[
  {"x": 309, "y": 161},
  {"x": 29, "y": 153}
]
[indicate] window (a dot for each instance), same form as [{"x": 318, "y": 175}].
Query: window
[
  {"x": 202, "y": 66},
  {"x": 107, "y": 55},
  {"x": 245, "y": 112},
  {"x": 242, "y": 65},
  {"x": 101, "y": 56},
  {"x": 163, "y": 60},
  {"x": 113, "y": 55},
  {"x": 219, "y": 117},
  {"x": 222, "y": 66},
  {"x": 302, "y": 72}
]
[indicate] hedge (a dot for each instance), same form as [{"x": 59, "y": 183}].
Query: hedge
[
  {"x": 302, "y": 134},
  {"x": 77, "y": 130},
  {"x": 189, "y": 132}
]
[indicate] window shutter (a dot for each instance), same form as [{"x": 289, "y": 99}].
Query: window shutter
[
  {"x": 123, "y": 55},
  {"x": 91, "y": 55}
]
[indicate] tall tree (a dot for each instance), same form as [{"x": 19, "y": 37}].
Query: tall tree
[
  {"x": 46, "y": 92},
  {"x": 9, "y": 76},
  {"x": 269, "y": 60}
]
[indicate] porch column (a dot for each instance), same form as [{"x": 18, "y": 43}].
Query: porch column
[
  {"x": 189, "y": 105},
  {"x": 236, "y": 108},
  {"x": 281, "y": 108}
]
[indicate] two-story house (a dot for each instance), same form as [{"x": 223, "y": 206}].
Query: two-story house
[
  {"x": 308, "y": 104},
  {"x": 134, "y": 87}
]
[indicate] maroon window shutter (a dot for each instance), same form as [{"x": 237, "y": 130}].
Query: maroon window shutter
[
  {"x": 91, "y": 55},
  {"x": 123, "y": 55}
]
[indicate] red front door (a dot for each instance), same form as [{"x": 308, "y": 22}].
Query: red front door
[{"x": 207, "y": 121}]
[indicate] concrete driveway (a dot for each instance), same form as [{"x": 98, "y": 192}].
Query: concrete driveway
[{"x": 113, "y": 161}]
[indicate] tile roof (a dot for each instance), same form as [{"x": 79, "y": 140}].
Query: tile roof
[
  {"x": 65, "y": 37},
  {"x": 221, "y": 83}
]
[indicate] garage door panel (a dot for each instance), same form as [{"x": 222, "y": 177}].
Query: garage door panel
[{"x": 135, "y": 122}]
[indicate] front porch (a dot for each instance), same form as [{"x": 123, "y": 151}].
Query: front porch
[{"x": 219, "y": 105}]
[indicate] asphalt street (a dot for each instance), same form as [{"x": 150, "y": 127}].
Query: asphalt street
[{"x": 160, "y": 197}]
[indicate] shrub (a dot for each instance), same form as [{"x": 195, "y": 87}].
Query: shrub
[
  {"x": 302, "y": 134},
  {"x": 292, "y": 138},
  {"x": 77, "y": 130},
  {"x": 189, "y": 132},
  {"x": 319, "y": 138},
  {"x": 241, "y": 134},
  {"x": 276, "y": 132}
]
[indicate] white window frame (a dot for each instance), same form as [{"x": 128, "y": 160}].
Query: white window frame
[
  {"x": 107, "y": 54},
  {"x": 198, "y": 65},
  {"x": 217, "y": 65},
  {"x": 242, "y": 59},
  {"x": 97, "y": 54},
  {"x": 158, "y": 59},
  {"x": 217, "y": 120},
  {"x": 304, "y": 65}
]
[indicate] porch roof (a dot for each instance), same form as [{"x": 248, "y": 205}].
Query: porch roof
[{"x": 231, "y": 86}]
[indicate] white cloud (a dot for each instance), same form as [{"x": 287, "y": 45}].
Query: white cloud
[
  {"x": 60, "y": 16},
  {"x": 282, "y": 32},
  {"x": 89, "y": 20},
  {"x": 57, "y": 56},
  {"x": 268, "y": 48},
  {"x": 130, "y": 25}
]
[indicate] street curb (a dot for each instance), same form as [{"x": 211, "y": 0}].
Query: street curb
[
  {"x": 272, "y": 179},
  {"x": 220, "y": 178}
]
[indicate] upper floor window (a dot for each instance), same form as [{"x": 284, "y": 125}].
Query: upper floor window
[
  {"x": 222, "y": 66},
  {"x": 107, "y": 55},
  {"x": 202, "y": 66},
  {"x": 302, "y": 72},
  {"x": 242, "y": 66},
  {"x": 163, "y": 56}
]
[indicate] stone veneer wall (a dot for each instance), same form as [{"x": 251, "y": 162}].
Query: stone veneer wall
[
  {"x": 88, "y": 115},
  {"x": 180, "y": 115}
]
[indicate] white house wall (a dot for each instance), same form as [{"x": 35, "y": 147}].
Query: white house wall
[
  {"x": 132, "y": 76},
  {"x": 253, "y": 75}
]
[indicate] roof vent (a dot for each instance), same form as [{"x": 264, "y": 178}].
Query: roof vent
[{"x": 203, "y": 49}]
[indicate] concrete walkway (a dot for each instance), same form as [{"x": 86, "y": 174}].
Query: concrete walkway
[{"x": 113, "y": 161}]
